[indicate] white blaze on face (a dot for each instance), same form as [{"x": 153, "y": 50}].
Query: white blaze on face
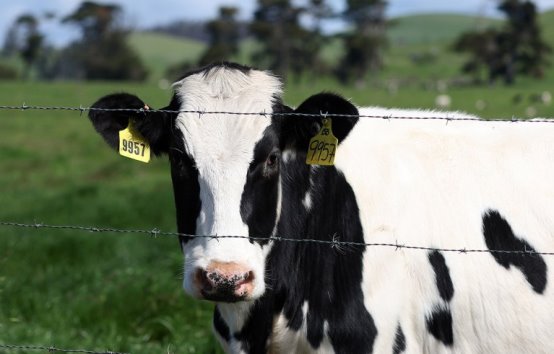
[{"x": 222, "y": 147}]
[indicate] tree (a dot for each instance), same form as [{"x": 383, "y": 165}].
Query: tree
[
  {"x": 516, "y": 48},
  {"x": 309, "y": 58},
  {"x": 11, "y": 41},
  {"x": 285, "y": 44},
  {"x": 103, "y": 52},
  {"x": 25, "y": 39},
  {"x": 527, "y": 47},
  {"x": 224, "y": 36},
  {"x": 483, "y": 50},
  {"x": 364, "y": 44},
  {"x": 33, "y": 41},
  {"x": 319, "y": 11}
]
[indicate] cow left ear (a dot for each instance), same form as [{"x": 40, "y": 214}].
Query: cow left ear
[
  {"x": 113, "y": 113},
  {"x": 298, "y": 130}
]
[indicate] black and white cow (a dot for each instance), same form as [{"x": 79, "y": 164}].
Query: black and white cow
[{"x": 459, "y": 185}]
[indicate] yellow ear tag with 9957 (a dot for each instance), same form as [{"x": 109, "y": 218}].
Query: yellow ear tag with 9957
[
  {"x": 323, "y": 146},
  {"x": 133, "y": 145}
]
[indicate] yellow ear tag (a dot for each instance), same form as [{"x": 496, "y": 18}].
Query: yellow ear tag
[
  {"x": 133, "y": 145},
  {"x": 322, "y": 147}
]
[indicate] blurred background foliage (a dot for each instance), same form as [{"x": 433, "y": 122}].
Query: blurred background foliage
[{"x": 289, "y": 39}]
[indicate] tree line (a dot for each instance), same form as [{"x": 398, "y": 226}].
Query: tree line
[
  {"x": 101, "y": 52},
  {"x": 516, "y": 48},
  {"x": 289, "y": 39}
]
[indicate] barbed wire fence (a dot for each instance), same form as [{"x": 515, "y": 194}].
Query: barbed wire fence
[
  {"x": 446, "y": 117},
  {"x": 334, "y": 243},
  {"x": 52, "y": 349}
]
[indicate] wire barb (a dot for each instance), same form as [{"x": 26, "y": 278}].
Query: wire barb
[
  {"x": 155, "y": 232},
  {"x": 398, "y": 247},
  {"x": 336, "y": 245}
]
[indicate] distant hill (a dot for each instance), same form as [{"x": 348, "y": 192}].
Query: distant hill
[
  {"x": 547, "y": 23},
  {"x": 195, "y": 30},
  {"x": 160, "y": 51},
  {"x": 432, "y": 28}
]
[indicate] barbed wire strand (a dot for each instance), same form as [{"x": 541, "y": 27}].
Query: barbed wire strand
[
  {"x": 53, "y": 349},
  {"x": 334, "y": 243},
  {"x": 447, "y": 118}
]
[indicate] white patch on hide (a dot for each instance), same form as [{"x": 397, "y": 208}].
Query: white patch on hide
[
  {"x": 288, "y": 155},
  {"x": 284, "y": 340}
]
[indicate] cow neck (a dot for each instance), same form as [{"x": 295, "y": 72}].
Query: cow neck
[{"x": 317, "y": 285}]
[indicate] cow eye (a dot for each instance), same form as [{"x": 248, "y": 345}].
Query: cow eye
[{"x": 272, "y": 159}]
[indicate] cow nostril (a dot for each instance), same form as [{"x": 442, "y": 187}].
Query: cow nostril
[
  {"x": 202, "y": 279},
  {"x": 245, "y": 284},
  {"x": 246, "y": 278}
]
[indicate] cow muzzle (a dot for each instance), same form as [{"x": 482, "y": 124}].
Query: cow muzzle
[{"x": 225, "y": 282}]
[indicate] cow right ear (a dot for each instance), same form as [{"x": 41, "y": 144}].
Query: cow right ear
[
  {"x": 153, "y": 126},
  {"x": 297, "y": 130}
]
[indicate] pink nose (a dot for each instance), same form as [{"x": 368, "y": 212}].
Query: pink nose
[{"x": 225, "y": 281}]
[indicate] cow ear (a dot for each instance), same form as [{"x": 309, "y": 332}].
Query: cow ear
[
  {"x": 153, "y": 126},
  {"x": 298, "y": 130}
]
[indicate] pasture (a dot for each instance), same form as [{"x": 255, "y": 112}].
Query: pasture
[{"x": 123, "y": 292}]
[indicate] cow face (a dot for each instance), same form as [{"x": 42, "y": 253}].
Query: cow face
[{"x": 226, "y": 169}]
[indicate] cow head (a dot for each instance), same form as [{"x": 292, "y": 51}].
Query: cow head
[{"x": 226, "y": 169}]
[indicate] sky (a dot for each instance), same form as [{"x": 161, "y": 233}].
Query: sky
[{"x": 147, "y": 13}]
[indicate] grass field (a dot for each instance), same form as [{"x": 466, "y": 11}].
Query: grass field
[{"x": 123, "y": 292}]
